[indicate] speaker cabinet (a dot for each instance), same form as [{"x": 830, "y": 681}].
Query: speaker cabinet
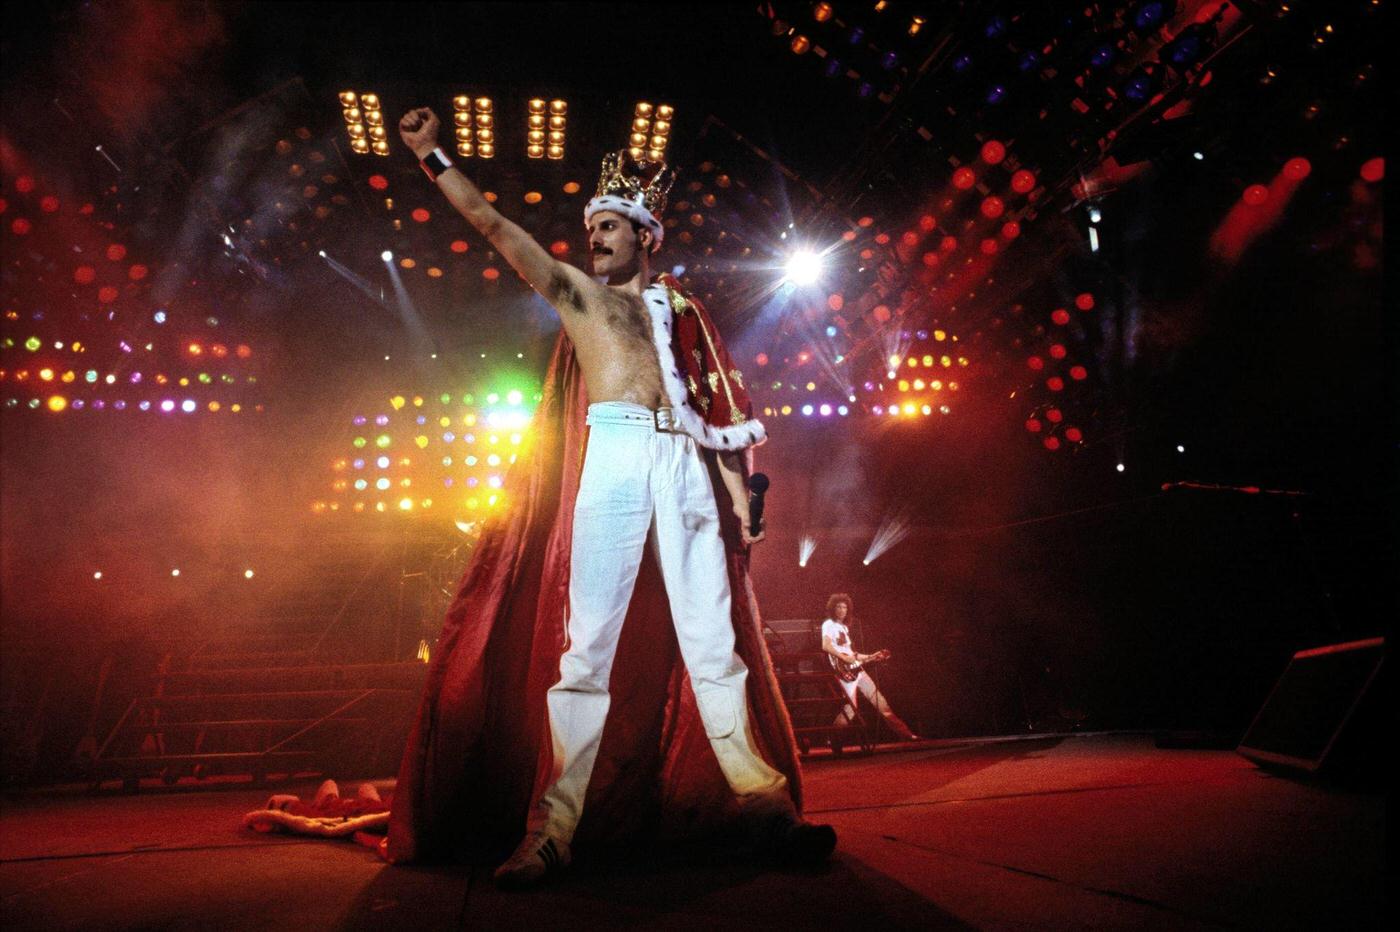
[{"x": 1324, "y": 712}]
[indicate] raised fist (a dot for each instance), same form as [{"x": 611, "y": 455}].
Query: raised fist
[{"x": 419, "y": 129}]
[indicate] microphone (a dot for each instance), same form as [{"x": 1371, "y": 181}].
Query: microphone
[{"x": 758, "y": 484}]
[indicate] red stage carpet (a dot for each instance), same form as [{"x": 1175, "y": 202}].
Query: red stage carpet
[{"x": 1089, "y": 831}]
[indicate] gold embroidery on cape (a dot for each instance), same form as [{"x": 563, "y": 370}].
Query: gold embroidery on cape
[
  {"x": 690, "y": 383},
  {"x": 737, "y": 376},
  {"x": 718, "y": 376},
  {"x": 679, "y": 304},
  {"x": 714, "y": 381}
]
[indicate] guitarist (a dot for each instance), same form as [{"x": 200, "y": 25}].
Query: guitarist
[{"x": 850, "y": 667}]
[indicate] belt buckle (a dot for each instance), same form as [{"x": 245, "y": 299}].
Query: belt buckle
[{"x": 664, "y": 420}]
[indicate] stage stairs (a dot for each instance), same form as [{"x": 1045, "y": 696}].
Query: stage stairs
[{"x": 258, "y": 706}]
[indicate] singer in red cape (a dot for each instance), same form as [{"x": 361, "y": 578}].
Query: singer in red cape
[{"x": 494, "y": 743}]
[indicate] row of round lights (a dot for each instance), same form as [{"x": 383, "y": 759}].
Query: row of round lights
[
  {"x": 544, "y": 135},
  {"x": 91, "y": 377},
  {"x": 651, "y": 131},
  {"x": 474, "y": 126},
  {"x": 174, "y": 573},
  {"x": 60, "y": 403},
  {"x": 364, "y": 123}
]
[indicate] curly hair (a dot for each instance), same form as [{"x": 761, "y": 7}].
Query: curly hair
[{"x": 835, "y": 600}]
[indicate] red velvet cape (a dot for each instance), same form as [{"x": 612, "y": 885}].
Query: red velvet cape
[{"x": 478, "y": 754}]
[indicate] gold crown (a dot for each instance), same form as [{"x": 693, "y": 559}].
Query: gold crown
[{"x": 639, "y": 181}]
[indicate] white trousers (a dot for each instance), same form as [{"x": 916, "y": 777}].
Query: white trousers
[
  {"x": 866, "y": 685},
  {"x": 643, "y": 483}
]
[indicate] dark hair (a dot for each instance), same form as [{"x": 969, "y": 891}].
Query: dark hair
[
  {"x": 637, "y": 227},
  {"x": 835, "y": 600}
]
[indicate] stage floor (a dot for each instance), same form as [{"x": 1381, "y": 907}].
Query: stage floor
[{"x": 1055, "y": 832}]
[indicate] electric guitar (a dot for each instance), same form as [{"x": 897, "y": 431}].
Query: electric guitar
[{"x": 849, "y": 672}]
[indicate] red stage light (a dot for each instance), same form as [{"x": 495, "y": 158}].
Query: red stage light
[
  {"x": 21, "y": 226},
  {"x": 459, "y": 245},
  {"x": 849, "y": 235},
  {"x": 1055, "y": 383},
  {"x": 378, "y": 182},
  {"x": 930, "y": 259},
  {"x": 993, "y": 152},
  {"x": 1011, "y": 229},
  {"x": 559, "y": 247},
  {"x": 964, "y": 178},
  {"x": 490, "y": 274},
  {"x": 835, "y": 302},
  {"x": 1033, "y": 426},
  {"x": 24, "y": 184},
  {"x": 1036, "y": 363},
  {"x": 993, "y": 207},
  {"x": 49, "y": 204},
  {"x": 1073, "y": 434},
  {"x": 1085, "y": 302},
  {"x": 84, "y": 274},
  {"x": 116, "y": 252},
  {"x": 1078, "y": 373},
  {"x": 882, "y": 239},
  {"x": 865, "y": 221},
  {"x": 948, "y": 244},
  {"x": 881, "y": 313},
  {"x": 107, "y": 294},
  {"x": 1373, "y": 170},
  {"x": 1296, "y": 169},
  {"x": 1051, "y": 443},
  {"x": 244, "y": 351},
  {"x": 421, "y": 214},
  {"x": 989, "y": 247},
  {"x": 1256, "y": 194},
  {"x": 1023, "y": 182},
  {"x": 927, "y": 223},
  {"x": 1060, "y": 316},
  {"x": 137, "y": 272},
  {"x": 911, "y": 238},
  {"x": 1057, "y": 351},
  {"x": 1054, "y": 416},
  {"x": 761, "y": 359}
]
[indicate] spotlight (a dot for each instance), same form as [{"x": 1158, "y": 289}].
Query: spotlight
[
  {"x": 322, "y": 254},
  {"x": 803, "y": 268},
  {"x": 387, "y": 256}
]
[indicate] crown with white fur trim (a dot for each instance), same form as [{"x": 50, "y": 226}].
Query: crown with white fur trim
[{"x": 635, "y": 189}]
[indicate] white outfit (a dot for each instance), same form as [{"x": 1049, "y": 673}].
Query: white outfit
[
  {"x": 840, "y": 636},
  {"x": 643, "y": 478}
]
